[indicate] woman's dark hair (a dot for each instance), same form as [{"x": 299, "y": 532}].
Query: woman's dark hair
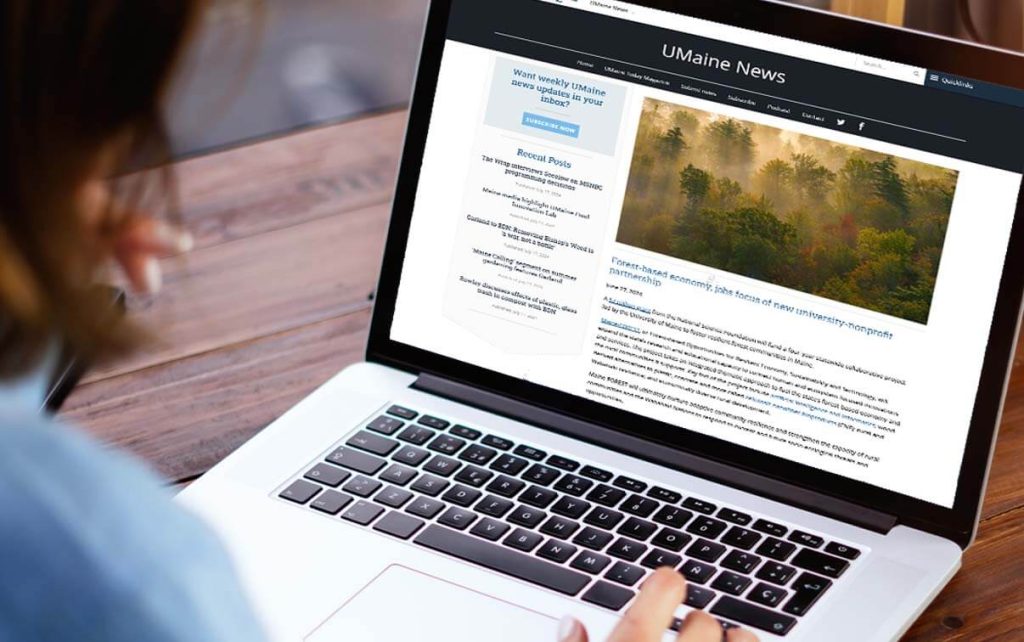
[{"x": 78, "y": 78}]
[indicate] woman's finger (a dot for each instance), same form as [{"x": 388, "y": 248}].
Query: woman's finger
[
  {"x": 571, "y": 630},
  {"x": 143, "y": 234},
  {"x": 143, "y": 272},
  {"x": 740, "y": 635},
  {"x": 651, "y": 613},
  {"x": 700, "y": 627}
]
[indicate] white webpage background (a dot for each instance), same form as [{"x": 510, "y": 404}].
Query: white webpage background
[{"x": 941, "y": 361}]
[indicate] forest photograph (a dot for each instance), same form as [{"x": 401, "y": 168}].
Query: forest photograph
[{"x": 836, "y": 221}]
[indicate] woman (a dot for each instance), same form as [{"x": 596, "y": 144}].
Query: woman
[{"x": 91, "y": 547}]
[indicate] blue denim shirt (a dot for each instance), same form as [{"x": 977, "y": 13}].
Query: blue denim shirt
[{"x": 93, "y": 550}]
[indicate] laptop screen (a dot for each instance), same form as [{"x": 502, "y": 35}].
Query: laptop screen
[{"x": 781, "y": 245}]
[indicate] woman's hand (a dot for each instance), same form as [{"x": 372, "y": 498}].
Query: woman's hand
[
  {"x": 135, "y": 241},
  {"x": 651, "y": 613}
]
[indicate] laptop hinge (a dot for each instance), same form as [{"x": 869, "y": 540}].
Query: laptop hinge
[{"x": 657, "y": 453}]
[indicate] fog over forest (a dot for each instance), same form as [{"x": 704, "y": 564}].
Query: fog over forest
[{"x": 806, "y": 213}]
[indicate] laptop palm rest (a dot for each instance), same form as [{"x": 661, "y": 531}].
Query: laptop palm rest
[{"x": 405, "y": 605}]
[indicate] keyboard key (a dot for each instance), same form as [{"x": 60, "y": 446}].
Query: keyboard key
[
  {"x": 627, "y": 549},
  {"x": 506, "y": 486},
  {"x": 433, "y": 422},
  {"x": 477, "y": 454},
  {"x": 494, "y": 506},
  {"x": 776, "y": 573},
  {"x": 417, "y": 435},
  {"x": 608, "y": 595},
  {"x": 741, "y": 538},
  {"x": 592, "y": 563},
  {"x": 593, "y": 538},
  {"x": 490, "y": 529},
  {"x": 705, "y": 551},
  {"x": 604, "y": 518},
  {"x": 573, "y": 485},
  {"x": 328, "y": 475},
  {"x": 625, "y": 574},
  {"x": 842, "y": 550},
  {"x": 637, "y": 529},
  {"x": 393, "y": 497},
  {"x": 820, "y": 563},
  {"x": 559, "y": 527},
  {"x": 473, "y": 476},
  {"x": 530, "y": 452},
  {"x": 331, "y": 502},
  {"x": 509, "y": 464},
  {"x": 371, "y": 443},
  {"x": 398, "y": 525},
  {"x": 734, "y": 516},
  {"x": 731, "y": 583},
  {"x": 771, "y": 528},
  {"x": 606, "y": 495},
  {"x": 698, "y": 572},
  {"x": 807, "y": 539},
  {"x": 658, "y": 558},
  {"x": 399, "y": 474},
  {"x": 465, "y": 432},
  {"x": 767, "y": 594},
  {"x": 556, "y": 551},
  {"x": 527, "y": 516},
  {"x": 461, "y": 495},
  {"x": 665, "y": 495},
  {"x": 362, "y": 486},
  {"x": 807, "y": 590},
  {"x": 672, "y": 516},
  {"x": 441, "y": 465},
  {"x": 429, "y": 485},
  {"x": 541, "y": 474},
  {"x": 425, "y": 507},
  {"x": 776, "y": 549},
  {"x": 596, "y": 473},
  {"x": 446, "y": 444},
  {"x": 570, "y": 507},
  {"x": 523, "y": 540},
  {"x": 671, "y": 539},
  {"x": 563, "y": 462},
  {"x": 411, "y": 455},
  {"x": 706, "y": 527},
  {"x": 741, "y": 562},
  {"x": 537, "y": 496},
  {"x": 638, "y": 505},
  {"x": 503, "y": 560},
  {"x": 404, "y": 413},
  {"x": 699, "y": 505},
  {"x": 457, "y": 518},
  {"x": 629, "y": 483},
  {"x": 362, "y": 512},
  {"x": 698, "y": 597},
  {"x": 751, "y": 615},
  {"x": 385, "y": 425},
  {"x": 357, "y": 461},
  {"x": 496, "y": 442}
]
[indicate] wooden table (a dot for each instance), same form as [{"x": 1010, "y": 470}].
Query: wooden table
[{"x": 276, "y": 297}]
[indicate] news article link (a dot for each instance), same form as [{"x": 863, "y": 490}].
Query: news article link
[{"x": 654, "y": 277}]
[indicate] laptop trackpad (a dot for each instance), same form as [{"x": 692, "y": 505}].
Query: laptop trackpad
[{"x": 405, "y": 605}]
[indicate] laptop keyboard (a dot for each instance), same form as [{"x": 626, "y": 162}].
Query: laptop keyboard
[{"x": 570, "y": 527}]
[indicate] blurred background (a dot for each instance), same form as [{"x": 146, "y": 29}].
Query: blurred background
[{"x": 308, "y": 62}]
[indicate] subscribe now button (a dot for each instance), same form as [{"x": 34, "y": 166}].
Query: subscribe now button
[{"x": 552, "y": 125}]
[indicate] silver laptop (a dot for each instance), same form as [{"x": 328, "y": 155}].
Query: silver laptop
[{"x": 731, "y": 288}]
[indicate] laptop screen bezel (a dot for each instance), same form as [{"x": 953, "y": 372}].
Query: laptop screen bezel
[{"x": 982, "y": 63}]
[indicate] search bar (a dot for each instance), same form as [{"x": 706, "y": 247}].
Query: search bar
[{"x": 889, "y": 69}]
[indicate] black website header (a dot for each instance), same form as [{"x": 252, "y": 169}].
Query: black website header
[{"x": 963, "y": 125}]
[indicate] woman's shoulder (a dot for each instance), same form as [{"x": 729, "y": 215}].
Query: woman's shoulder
[{"x": 89, "y": 531}]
